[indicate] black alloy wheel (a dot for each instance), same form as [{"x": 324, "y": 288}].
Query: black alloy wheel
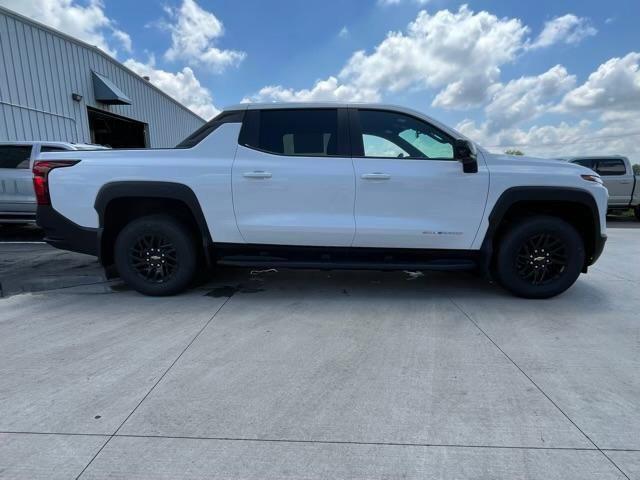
[
  {"x": 156, "y": 255},
  {"x": 542, "y": 259},
  {"x": 539, "y": 257}
]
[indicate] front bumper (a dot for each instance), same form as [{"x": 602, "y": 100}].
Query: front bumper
[
  {"x": 60, "y": 232},
  {"x": 598, "y": 248}
]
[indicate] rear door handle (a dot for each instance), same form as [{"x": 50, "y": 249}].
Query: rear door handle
[
  {"x": 257, "y": 174},
  {"x": 376, "y": 176}
]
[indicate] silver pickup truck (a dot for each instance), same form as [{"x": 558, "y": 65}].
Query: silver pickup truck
[
  {"x": 17, "y": 198},
  {"x": 618, "y": 176}
]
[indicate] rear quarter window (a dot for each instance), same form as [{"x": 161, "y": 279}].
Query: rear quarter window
[
  {"x": 611, "y": 167},
  {"x": 208, "y": 128},
  {"x": 15, "y": 156}
]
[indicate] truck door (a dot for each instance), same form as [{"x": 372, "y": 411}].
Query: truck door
[
  {"x": 618, "y": 181},
  {"x": 293, "y": 180},
  {"x": 410, "y": 191}
]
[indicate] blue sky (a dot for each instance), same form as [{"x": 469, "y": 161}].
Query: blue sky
[{"x": 547, "y": 77}]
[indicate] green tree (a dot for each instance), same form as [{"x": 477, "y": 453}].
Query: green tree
[
  {"x": 513, "y": 151},
  {"x": 636, "y": 168}
]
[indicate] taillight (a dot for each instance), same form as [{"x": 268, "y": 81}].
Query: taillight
[{"x": 41, "y": 169}]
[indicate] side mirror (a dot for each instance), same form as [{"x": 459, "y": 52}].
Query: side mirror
[{"x": 465, "y": 153}]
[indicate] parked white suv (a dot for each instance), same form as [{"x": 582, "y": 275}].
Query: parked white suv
[
  {"x": 17, "y": 199},
  {"x": 324, "y": 186}
]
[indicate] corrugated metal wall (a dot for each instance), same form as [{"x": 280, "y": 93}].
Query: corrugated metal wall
[{"x": 40, "y": 69}]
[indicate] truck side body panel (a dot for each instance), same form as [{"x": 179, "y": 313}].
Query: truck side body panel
[{"x": 205, "y": 169}]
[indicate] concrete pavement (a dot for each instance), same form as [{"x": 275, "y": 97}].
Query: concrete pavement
[{"x": 307, "y": 374}]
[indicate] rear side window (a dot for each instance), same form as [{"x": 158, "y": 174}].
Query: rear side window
[
  {"x": 301, "y": 132},
  {"x": 613, "y": 166},
  {"x": 209, "y": 127},
  {"x": 15, "y": 156},
  {"x": 46, "y": 148}
]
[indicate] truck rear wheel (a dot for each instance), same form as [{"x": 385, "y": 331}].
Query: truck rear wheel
[
  {"x": 156, "y": 255},
  {"x": 637, "y": 212},
  {"x": 540, "y": 257}
]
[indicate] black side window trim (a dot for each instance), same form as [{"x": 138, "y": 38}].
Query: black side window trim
[
  {"x": 233, "y": 116},
  {"x": 357, "y": 144},
  {"x": 250, "y": 133}
]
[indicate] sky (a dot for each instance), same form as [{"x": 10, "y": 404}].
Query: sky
[{"x": 549, "y": 78}]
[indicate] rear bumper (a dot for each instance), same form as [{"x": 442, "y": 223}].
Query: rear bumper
[{"x": 60, "y": 232}]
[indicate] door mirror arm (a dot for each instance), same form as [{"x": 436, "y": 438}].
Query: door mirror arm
[{"x": 465, "y": 153}]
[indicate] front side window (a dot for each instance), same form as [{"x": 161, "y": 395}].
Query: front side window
[
  {"x": 612, "y": 166},
  {"x": 312, "y": 132},
  {"x": 585, "y": 162},
  {"x": 15, "y": 156},
  {"x": 395, "y": 135}
]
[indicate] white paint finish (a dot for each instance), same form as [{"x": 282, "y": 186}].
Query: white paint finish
[
  {"x": 321, "y": 201},
  {"x": 305, "y": 201},
  {"x": 206, "y": 169},
  {"x": 419, "y": 204},
  {"x": 508, "y": 171}
]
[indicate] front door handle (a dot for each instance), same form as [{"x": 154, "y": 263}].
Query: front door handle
[
  {"x": 376, "y": 176},
  {"x": 257, "y": 174}
]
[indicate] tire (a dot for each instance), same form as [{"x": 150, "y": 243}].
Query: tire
[
  {"x": 637, "y": 212},
  {"x": 156, "y": 255},
  {"x": 540, "y": 257}
]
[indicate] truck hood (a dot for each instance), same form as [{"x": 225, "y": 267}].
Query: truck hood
[{"x": 533, "y": 163}]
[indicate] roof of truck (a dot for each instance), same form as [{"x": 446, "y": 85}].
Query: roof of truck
[{"x": 375, "y": 106}]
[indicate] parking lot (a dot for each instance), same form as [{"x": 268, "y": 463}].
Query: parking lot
[{"x": 311, "y": 374}]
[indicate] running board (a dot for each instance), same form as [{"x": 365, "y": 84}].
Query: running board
[{"x": 261, "y": 262}]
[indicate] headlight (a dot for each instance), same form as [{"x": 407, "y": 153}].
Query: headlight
[{"x": 592, "y": 178}]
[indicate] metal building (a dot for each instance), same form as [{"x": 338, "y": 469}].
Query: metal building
[{"x": 55, "y": 87}]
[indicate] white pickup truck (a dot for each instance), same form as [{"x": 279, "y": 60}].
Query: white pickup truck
[
  {"x": 324, "y": 186},
  {"x": 619, "y": 178}
]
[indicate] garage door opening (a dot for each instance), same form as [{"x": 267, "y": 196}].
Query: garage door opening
[{"x": 116, "y": 131}]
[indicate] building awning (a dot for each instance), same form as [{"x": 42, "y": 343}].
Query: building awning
[{"x": 107, "y": 92}]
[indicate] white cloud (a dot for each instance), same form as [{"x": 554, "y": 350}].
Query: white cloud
[
  {"x": 182, "y": 86},
  {"x": 193, "y": 34},
  {"x": 526, "y": 98},
  {"x": 562, "y": 140},
  {"x": 607, "y": 103},
  {"x": 85, "y": 22},
  {"x": 344, "y": 32},
  {"x": 124, "y": 39},
  {"x": 323, "y": 90},
  {"x": 460, "y": 52},
  {"x": 568, "y": 29},
  {"x": 615, "y": 85}
]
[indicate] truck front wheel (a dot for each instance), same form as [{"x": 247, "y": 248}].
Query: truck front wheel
[
  {"x": 540, "y": 257},
  {"x": 156, "y": 255},
  {"x": 637, "y": 212}
]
